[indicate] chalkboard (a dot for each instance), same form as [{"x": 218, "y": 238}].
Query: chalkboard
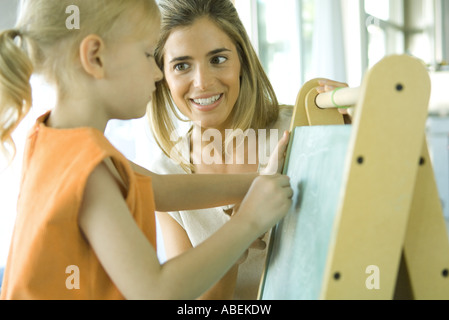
[{"x": 299, "y": 244}]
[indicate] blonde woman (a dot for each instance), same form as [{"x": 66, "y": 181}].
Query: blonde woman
[
  {"x": 85, "y": 225},
  {"x": 213, "y": 77}
]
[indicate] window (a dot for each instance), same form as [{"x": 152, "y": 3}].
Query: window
[
  {"x": 414, "y": 27},
  {"x": 280, "y": 45},
  {"x": 385, "y": 26},
  {"x": 299, "y": 40},
  {"x": 293, "y": 41}
]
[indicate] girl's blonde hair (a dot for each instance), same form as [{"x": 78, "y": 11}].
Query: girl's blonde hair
[
  {"x": 256, "y": 106},
  {"x": 42, "y": 43}
]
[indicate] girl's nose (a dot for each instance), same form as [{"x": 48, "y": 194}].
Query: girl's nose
[{"x": 158, "y": 75}]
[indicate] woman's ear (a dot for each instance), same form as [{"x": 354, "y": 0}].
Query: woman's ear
[{"x": 91, "y": 51}]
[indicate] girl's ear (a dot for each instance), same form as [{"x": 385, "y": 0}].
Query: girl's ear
[{"x": 91, "y": 51}]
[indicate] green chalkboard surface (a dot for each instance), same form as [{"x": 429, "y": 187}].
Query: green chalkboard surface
[{"x": 299, "y": 244}]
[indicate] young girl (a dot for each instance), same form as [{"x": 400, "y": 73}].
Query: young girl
[
  {"x": 85, "y": 227},
  {"x": 213, "y": 76}
]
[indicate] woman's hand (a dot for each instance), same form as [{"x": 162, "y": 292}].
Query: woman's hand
[
  {"x": 327, "y": 85},
  {"x": 277, "y": 158}
]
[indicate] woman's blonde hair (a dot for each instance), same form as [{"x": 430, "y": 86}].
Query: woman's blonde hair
[
  {"x": 42, "y": 43},
  {"x": 256, "y": 106}
]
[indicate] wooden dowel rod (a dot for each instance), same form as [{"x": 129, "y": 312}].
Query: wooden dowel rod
[{"x": 343, "y": 97}]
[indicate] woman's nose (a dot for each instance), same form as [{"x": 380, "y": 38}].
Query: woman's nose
[{"x": 203, "y": 78}]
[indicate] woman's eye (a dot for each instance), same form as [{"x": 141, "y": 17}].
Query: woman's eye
[
  {"x": 219, "y": 60},
  {"x": 181, "y": 67}
]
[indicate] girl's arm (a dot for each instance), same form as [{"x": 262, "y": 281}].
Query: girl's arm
[
  {"x": 131, "y": 261},
  {"x": 174, "y": 192},
  {"x": 199, "y": 191},
  {"x": 176, "y": 242}
]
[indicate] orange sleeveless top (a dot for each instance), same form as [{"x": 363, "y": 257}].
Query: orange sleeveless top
[{"x": 47, "y": 240}]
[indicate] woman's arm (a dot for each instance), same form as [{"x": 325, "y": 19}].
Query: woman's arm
[{"x": 176, "y": 242}]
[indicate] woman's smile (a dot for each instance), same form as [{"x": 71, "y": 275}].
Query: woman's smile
[{"x": 207, "y": 103}]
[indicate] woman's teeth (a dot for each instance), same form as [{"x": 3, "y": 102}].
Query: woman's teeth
[{"x": 208, "y": 101}]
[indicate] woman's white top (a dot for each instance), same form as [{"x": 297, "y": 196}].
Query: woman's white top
[{"x": 200, "y": 224}]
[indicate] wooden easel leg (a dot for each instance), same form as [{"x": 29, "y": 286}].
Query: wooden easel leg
[
  {"x": 403, "y": 290},
  {"x": 426, "y": 246}
]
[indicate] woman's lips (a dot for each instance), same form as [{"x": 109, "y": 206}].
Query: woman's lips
[{"x": 207, "y": 104}]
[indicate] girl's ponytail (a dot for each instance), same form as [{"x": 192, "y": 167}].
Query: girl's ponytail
[{"x": 16, "y": 69}]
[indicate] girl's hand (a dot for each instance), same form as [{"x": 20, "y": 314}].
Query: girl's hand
[{"x": 267, "y": 201}]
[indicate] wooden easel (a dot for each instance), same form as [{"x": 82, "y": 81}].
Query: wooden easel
[{"x": 388, "y": 185}]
